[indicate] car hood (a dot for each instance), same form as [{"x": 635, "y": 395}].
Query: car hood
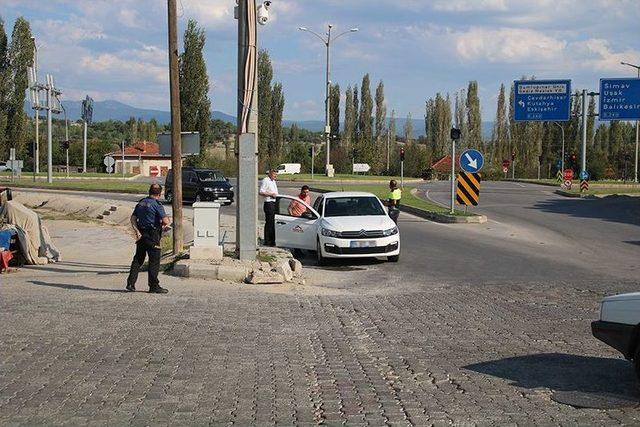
[
  {"x": 356, "y": 223},
  {"x": 623, "y": 297},
  {"x": 216, "y": 184}
]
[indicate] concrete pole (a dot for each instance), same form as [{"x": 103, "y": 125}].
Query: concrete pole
[
  {"x": 36, "y": 151},
  {"x": 453, "y": 175},
  {"x": 49, "y": 132},
  {"x": 176, "y": 127},
  {"x": 388, "y": 145},
  {"x": 584, "y": 131},
  {"x": 66, "y": 137},
  {"x": 327, "y": 123},
  {"x": 247, "y": 143},
  {"x": 84, "y": 142},
  {"x": 313, "y": 156}
]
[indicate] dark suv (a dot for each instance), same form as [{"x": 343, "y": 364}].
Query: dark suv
[{"x": 201, "y": 185}]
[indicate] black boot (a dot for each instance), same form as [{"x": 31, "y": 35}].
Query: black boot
[{"x": 158, "y": 290}]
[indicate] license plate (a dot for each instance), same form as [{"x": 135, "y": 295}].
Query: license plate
[
  {"x": 363, "y": 243},
  {"x": 223, "y": 199}
]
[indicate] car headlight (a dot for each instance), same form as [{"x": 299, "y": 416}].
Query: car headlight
[
  {"x": 209, "y": 189},
  {"x": 330, "y": 233},
  {"x": 391, "y": 231},
  {"x": 230, "y": 188}
]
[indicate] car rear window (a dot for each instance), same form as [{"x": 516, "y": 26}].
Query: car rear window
[{"x": 353, "y": 206}]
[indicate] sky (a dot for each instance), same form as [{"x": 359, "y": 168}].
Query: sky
[{"x": 117, "y": 49}]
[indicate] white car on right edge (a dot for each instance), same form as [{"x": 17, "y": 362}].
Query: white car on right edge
[
  {"x": 619, "y": 325},
  {"x": 339, "y": 225}
]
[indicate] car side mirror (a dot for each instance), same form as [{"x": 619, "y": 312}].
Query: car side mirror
[
  {"x": 309, "y": 215},
  {"x": 226, "y": 179}
]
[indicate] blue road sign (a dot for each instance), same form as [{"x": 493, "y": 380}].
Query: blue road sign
[
  {"x": 620, "y": 99},
  {"x": 584, "y": 175},
  {"x": 542, "y": 100},
  {"x": 471, "y": 161},
  {"x": 558, "y": 164}
]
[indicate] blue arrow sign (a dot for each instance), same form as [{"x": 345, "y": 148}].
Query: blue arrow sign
[
  {"x": 471, "y": 161},
  {"x": 584, "y": 175},
  {"x": 558, "y": 164},
  {"x": 620, "y": 99},
  {"x": 542, "y": 100}
]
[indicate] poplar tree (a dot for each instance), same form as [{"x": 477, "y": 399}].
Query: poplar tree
[
  {"x": 349, "y": 120},
  {"x": 334, "y": 119},
  {"x": 277, "y": 108},
  {"x": 365, "y": 122},
  {"x": 20, "y": 57},
  {"x": 392, "y": 127},
  {"x": 591, "y": 120},
  {"x": 195, "y": 106},
  {"x": 5, "y": 87},
  {"x": 474, "y": 120},
  {"x": 265, "y": 76},
  {"x": 356, "y": 108},
  {"x": 408, "y": 130},
  {"x": 499, "y": 137},
  {"x": 381, "y": 112}
]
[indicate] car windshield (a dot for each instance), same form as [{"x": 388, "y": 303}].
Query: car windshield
[
  {"x": 210, "y": 176},
  {"x": 353, "y": 206}
]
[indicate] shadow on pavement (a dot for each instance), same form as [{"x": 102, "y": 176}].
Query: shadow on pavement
[
  {"x": 74, "y": 287},
  {"x": 579, "y": 381},
  {"x": 621, "y": 209},
  {"x": 308, "y": 260}
]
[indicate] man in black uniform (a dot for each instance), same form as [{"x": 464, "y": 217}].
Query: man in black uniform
[{"x": 148, "y": 221}]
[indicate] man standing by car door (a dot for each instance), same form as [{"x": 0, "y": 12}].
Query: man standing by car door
[{"x": 269, "y": 190}]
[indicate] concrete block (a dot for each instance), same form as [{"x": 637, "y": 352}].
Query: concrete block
[
  {"x": 181, "y": 269},
  {"x": 106, "y": 213},
  {"x": 265, "y": 278},
  {"x": 284, "y": 270},
  {"x": 233, "y": 273},
  {"x": 206, "y": 253},
  {"x": 296, "y": 267},
  {"x": 203, "y": 271},
  {"x": 113, "y": 208}
]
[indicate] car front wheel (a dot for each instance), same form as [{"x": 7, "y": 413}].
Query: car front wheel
[{"x": 321, "y": 260}]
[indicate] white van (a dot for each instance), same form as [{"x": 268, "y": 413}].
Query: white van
[{"x": 289, "y": 168}]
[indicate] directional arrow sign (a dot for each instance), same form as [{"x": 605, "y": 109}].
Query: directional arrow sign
[
  {"x": 471, "y": 161},
  {"x": 542, "y": 100},
  {"x": 620, "y": 99}
]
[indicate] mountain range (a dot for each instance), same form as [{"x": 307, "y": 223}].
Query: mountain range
[{"x": 115, "y": 110}]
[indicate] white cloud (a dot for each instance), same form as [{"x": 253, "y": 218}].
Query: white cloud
[
  {"x": 599, "y": 55},
  {"x": 130, "y": 18},
  {"x": 509, "y": 45},
  {"x": 470, "y": 5},
  {"x": 139, "y": 65}
]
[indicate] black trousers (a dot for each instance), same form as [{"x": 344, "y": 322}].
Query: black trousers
[
  {"x": 149, "y": 244},
  {"x": 270, "y": 223}
]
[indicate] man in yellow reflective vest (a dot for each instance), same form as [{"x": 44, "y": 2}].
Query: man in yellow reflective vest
[{"x": 393, "y": 200}]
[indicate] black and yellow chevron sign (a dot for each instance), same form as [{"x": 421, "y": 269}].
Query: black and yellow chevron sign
[
  {"x": 468, "y": 192},
  {"x": 584, "y": 185}
]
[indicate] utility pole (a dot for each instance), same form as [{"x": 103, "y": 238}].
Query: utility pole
[
  {"x": 52, "y": 107},
  {"x": 66, "y": 137},
  {"x": 36, "y": 107},
  {"x": 583, "y": 166},
  {"x": 87, "y": 118},
  {"x": 453, "y": 175},
  {"x": 247, "y": 142},
  {"x": 388, "y": 144},
  {"x": 176, "y": 127}
]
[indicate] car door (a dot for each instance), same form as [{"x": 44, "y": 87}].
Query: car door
[{"x": 298, "y": 232}]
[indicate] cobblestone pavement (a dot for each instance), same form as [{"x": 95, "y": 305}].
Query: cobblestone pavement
[{"x": 74, "y": 349}]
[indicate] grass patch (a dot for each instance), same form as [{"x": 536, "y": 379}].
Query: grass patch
[
  {"x": 407, "y": 198},
  {"x": 72, "y": 174},
  {"x": 266, "y": 257},
  {"x": 340, "y": 177},
  {"x": 84, "y": 185}
]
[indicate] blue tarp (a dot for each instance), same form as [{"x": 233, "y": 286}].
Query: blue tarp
[{"x": 5, "y": 238}]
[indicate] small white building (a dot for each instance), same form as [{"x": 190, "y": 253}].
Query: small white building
[{"x": 142, "y": 158}]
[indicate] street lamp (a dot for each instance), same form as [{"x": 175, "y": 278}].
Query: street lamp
[
  {"x": 327, "y": 126},
  {"x": 635, "y": 176}
]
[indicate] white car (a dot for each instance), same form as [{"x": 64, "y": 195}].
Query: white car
[
  {"x": 3, "y": 167},
  {"x": 339, "y": 225},
  {"x": 619, "y": 325}
]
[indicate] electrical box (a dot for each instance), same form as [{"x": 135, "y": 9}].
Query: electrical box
[{"x": 206, "y": 231}]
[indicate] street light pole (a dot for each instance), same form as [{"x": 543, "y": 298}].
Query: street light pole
[
  {"x": 327, "y": 125},
  {"x": 635, "y": 175},
  {"x": 562, "y": 158}
]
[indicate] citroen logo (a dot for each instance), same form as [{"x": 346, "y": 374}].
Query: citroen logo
[{"x": 362, "y": 233}]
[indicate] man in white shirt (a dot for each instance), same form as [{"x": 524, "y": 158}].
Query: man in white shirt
[{"x": 269, "y": 190}]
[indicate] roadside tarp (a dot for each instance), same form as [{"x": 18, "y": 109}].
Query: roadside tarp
[{"x": 35, "y": 243}]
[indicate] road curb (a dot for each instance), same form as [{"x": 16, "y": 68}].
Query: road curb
[{"x": 432, "y": 216}]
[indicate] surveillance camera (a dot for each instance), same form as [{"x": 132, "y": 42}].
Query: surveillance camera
[{"x": 263, "y": 13}]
